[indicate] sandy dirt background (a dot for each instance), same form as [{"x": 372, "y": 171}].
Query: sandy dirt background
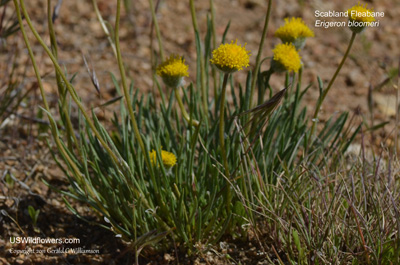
[{"x": 23, "y": 154}]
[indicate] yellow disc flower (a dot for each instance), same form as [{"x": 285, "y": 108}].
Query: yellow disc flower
[
  {"x": 168, "y": 158},
  {"x": 173, "y": 70},
  {"x": 294, "y": 31},
  {"x": 230, "y": 57},
  {"x": 360, "y": 17},
  {"x": 286, "y": 58}
]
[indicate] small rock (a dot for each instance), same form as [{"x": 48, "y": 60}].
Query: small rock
[
  {"x": 386, "y": 104},
  {"x": 354, "y": 77},
  {"x": 168, "y": 257}
]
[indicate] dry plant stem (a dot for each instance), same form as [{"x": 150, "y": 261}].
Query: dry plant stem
[
  {"x": 67, "y": 84},
  {"x": 361, "y": 234},
  {"x": 277, "y": 255},
  {"x": 321, "y": 100},
  {"x": 222, "y": 138},
  {"x": 260, "y": 49},
  {"x": 183, "y": 110},
  {"x": 202, "y": 71},
  {"x": 153, "y": 15}
]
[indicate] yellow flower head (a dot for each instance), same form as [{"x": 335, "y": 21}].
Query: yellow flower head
[
  {"x": 360, "y": 17},
  {"x": 168, "y": 158},
  {"x": 173, "y": 70},
  {"x": 360, "y": 13},
  {"x": 230, "y": 57},
  {"x": 294, "y": 31},
  {"x": 286, "y": 58}
]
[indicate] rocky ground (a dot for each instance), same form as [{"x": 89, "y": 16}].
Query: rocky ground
[{"x": 25, "y": 158}]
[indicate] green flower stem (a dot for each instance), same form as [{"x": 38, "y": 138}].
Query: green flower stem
[
  {"x": 156, "y": 27},
  {"x": 259, "y": 54},
  {"x": 299, "y": 80},
  {"x": 67, "y": 84},
  {"x": 261, "y": 92},
  {"x": 130, "y": 108},
  {"x": 183, "y": 110},
  {"x": 319, "y": 103},
  {"x": 31, "y": 55},
  {"x": 129, "y": 105},
  {"x": 64, "y": 107},
  {"x": 222, "y": 139},
  {"x": 126, "y": 91},
  {"x": 214, "y": 40},
  {"x": 202, "y": 70}
]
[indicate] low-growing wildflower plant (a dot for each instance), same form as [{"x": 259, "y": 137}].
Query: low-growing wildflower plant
[
  {"x": 294, "y": 31},
  {"x": 173, "y": 70},
  {"x": 168, "y": 158},
  {"x": 193, "y": 205},
  {"x": 360, "y": 17},
  {"x": 286, "y": 58},
  {"x": 230, "y": 57}
]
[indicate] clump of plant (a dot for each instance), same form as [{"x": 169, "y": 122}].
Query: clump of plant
[{"x": 188, "y": 174}]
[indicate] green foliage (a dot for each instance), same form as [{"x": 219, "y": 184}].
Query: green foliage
[
  {"x": 34, "y": 214},
  {"x": 185, "y": 201},
  {"x": 9, "y": 180}
]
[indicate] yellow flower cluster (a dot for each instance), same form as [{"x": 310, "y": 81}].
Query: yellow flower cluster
[
  {"x": 230, "y": 57},
  {"x": 173, "y": 66},
  {"x": 360, "y": 13},
  {"x": 293, "y": 35},
  {"x": 293, "y": 29},
  {"x": 168, "y": 158},
  {"x": 173, "y": 70},
  {"x": 286, "y": 57}
]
